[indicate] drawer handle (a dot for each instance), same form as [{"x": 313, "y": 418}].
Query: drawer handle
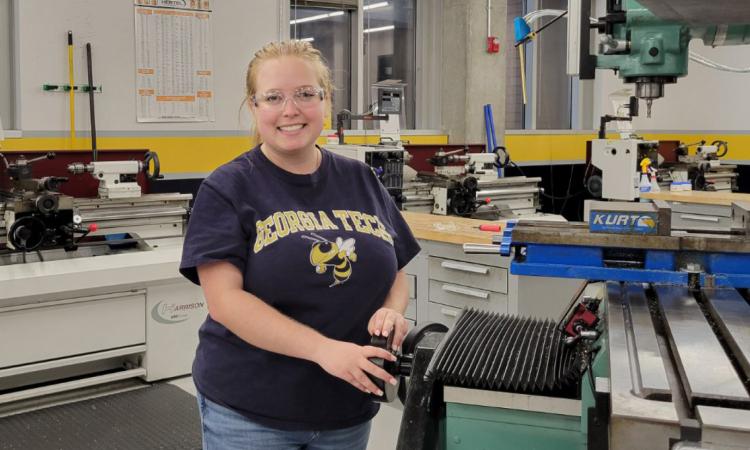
[
  {"x": 464, "y": 267},
  {"x": 699, "y": 218},
  {"x": 465, "y": 291},
  {"x": 448, "y": 312}
]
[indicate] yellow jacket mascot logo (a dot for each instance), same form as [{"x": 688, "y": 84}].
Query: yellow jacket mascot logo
[{"x": 339, "y": 254}]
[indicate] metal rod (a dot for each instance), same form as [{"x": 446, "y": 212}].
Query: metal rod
[
  {"x": 91, "y": 102},
  {"x": 521, "y": 50},
  {"x": 472, "y": 249},
  {"x": 551, "y": 22},
  {"x": 510, "y": 191},
  {"x": 71, "y": 94},
  {"x": 489, "y": 14}
]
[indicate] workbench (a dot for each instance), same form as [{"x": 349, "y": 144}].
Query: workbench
[
  {"x": 699, "y": 197},
  {"x": 443, "y": 279}
]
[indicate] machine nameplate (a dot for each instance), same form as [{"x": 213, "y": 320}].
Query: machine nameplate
[{"x": 623, "y": 223}]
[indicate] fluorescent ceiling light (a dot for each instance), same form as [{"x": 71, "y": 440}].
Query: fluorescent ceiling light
[
  {"x": 375, "y": 5},
  {"x": 318, "y": 17},
  {"x": 375, "y": 30},
  {"x": 310, "y": 39}
]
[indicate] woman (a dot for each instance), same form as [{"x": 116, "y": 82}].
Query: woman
[{"x": 300, "y": 254}]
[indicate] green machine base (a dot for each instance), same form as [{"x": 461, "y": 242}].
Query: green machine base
[{"x": 470, "y": 427}]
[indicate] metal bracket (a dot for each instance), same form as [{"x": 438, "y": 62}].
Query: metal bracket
[{"x": 598, "y": 418}]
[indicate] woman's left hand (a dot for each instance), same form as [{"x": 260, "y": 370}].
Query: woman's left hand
[{"x": 386, "y": 321}]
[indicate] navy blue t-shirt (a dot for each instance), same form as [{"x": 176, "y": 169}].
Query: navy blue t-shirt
[{"x": 323, "y": 249}]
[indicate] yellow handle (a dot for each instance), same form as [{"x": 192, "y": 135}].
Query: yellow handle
[{"x": 645, "y": 164}]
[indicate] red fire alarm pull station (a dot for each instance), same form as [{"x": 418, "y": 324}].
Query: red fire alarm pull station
[{"x": 493, "y": 44}]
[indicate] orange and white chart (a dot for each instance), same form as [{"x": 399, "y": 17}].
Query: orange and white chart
[{"x": 174, "y": 61}]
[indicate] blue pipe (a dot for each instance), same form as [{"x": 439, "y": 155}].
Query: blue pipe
[
  {"x": 491, "y": 137},
  {"x": 489, "y": 126}
]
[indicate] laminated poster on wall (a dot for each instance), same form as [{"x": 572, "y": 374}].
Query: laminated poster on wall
[{"x": 174, "y": 61}]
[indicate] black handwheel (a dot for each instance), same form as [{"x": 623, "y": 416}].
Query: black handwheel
[
  {"x": 594, "y": 186},
  {"x": 503, "y": 158},
  {"x": 389, "y": 390},
  {"x": 147, "y": 159},
  {"x": 402, "y": 366},
  {"x": 721, "y": 144},
  {"x": 417, "y": 333},
  {"x": 471, "y": 184},
  {"x": 47, "y": 203},
  {"x": 408, "y": 347},
  {"x": 27, "y": 233}
]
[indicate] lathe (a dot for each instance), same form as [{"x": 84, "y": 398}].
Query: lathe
[
  {"x": 468, "y": 185},
  {"x": 91, "y": 292},
  {"x": 652, "y": 353}
]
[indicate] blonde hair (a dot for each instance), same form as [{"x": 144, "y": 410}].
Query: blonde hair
[{"x": 293, "y": 48}]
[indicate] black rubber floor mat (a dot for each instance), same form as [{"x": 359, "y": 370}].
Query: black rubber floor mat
[{"x": 162, "y": 416}]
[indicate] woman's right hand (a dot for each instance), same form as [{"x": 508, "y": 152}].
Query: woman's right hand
[{"x": 350, "y": 362}]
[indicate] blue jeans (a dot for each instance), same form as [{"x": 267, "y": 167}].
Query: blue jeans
[{"x": 225, "y": 429}]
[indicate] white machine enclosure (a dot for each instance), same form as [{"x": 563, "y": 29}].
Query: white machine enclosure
[
  {"x": 98, "y": 318},
  {"x": 386, "y": 162},
  {"x": 618, "y": 161},
  {"x": 100, "y": 314},
  {"x": 175, "y": 312}
]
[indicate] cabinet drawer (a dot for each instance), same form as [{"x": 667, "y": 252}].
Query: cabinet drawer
[
  {"x": 411, "y": 310},
  {"x": 469, "y": 274},
  {"x": 691, "y": 221},
  {"x": 71, "y": 327},
  {"x": 701, "y": 209},
  {"x": 456, "y": 253},
  {"x": 411, "y": 282},
  {"x": 442, "y": 314},
  {"x": 464, "y": 296}
]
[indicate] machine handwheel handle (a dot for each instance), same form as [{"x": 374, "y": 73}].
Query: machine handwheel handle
[
  {"x": 721, "y": 144},
  {"x": 152, "y": 175},
  {"x": 389, "y": 391},
  {"x": 503, "y": 158}
]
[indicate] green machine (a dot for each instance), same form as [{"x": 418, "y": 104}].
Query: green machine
[
  {"x": 500, "y": 382},
  {"x": 647, "y": 42},
  {"x": 559, "y": 419},
  {"x": 653, "y": 352}
]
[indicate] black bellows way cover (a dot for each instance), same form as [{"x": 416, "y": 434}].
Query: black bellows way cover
[{"x": 501, "y": 352}]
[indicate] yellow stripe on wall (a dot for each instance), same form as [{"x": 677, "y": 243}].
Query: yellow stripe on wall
[
  {"x": 192, "y": 154},
  {"x": 540, "y": 148},
  {"x": 176, "y": 154},
  {"x": 196, "y": 154}
]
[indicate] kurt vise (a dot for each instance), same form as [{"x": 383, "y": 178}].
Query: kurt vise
[{"x": 632, "y": 242}]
